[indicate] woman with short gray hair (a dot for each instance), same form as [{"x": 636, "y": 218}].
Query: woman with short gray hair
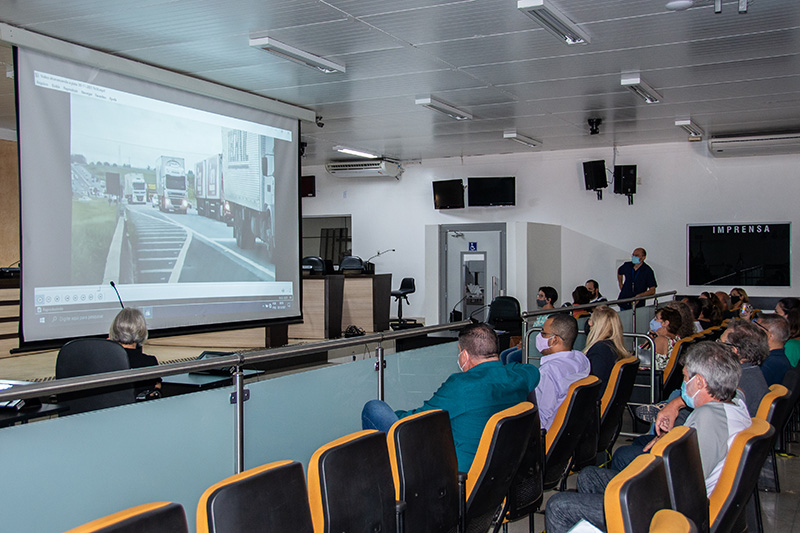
[{"x": 129, "y": 330}]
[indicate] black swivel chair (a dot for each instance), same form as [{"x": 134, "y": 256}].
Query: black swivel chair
[
  {"x": 406, "y": 287},
  {"x": 351, "y": 264},
  {"x": 82, "y": 357},
  {"x": 312, "y": 265},
  {"x": 505, "y": 315}
]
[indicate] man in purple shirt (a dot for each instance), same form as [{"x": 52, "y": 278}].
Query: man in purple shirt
[{"x": 560, "y": 367}]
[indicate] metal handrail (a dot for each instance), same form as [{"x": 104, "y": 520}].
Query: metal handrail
[
  {"x": 530, "y": 314},
  {"x": 238, "y": 359}
]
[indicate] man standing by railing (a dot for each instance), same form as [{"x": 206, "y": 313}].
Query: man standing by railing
[{"x": 635, "y": 278}]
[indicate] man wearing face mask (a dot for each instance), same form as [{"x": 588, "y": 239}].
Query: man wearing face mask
[
  {"x": 482, "y": 388},
  {"x": 636, "y": 278},
  {"x": 710, "y": 376},
  {"x": 560, "y": 365}
]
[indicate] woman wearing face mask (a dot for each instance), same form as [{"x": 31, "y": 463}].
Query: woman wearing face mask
[
  {"x": 546, "y": 299},
  {"x": 665, "y": 327},
  {"x": 738, "y": 299}
]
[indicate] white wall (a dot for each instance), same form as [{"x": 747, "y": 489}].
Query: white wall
[{"x": 680, "y": 184}]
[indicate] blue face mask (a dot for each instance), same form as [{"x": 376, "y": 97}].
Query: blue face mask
[
  {"x": 635, "y": 260},
  {"x": 655, "y": 325},
  {"x": 688, "y": 400}
]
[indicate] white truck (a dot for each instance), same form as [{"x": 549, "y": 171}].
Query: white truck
[
  {"x": 208, "y": 187},
  {"x": 248, "y": 165},
  {"x": 171, "y": 184},
  {"x": 135, "y": 188}
]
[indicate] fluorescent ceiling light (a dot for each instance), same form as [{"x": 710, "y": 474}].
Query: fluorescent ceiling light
[
  {"x": 512, "y": 135},
  {"x": 553, "y": 20},
  {"x": 634, "y": 83},
  {"x": 679, "y": 5},
  {"x": 295, "y": 54},
  {"x": 437, "y": 105},
  {"x": 358, "y": 153},
  {"x": 695, "y": 132}
]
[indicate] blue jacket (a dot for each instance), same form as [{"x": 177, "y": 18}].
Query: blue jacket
[{"x": 473, "y": 397}]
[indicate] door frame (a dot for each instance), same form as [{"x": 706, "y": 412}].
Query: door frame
[{"x": 444, "y": 229}]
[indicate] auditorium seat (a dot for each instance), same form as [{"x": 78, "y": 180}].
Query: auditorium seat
[
  {"x": 500, "y": 451},
  {"x": 158, "y": 517},
  {"x": 775, "y": 408},
  {"x": 569, "y": 425},
  {"x": 350, "y": 485},
  {"x": 739, "y": 477},
  {"x": 271, "y": 497},
  {"x": 669, "y": 521},
  {"x": 635, "y": 495},
  {"x": 687, "y": 488},
  {"x": 425, "y": 470}
]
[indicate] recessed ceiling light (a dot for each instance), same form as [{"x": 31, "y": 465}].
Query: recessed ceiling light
[{"x": 679, "y": 5}]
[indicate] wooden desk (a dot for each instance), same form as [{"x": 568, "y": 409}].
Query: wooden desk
[
  {"x": 322, "y": 308},
  {"x": 366, "y": 302}
]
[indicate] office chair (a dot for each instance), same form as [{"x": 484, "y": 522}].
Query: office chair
[
  {"x": 82, "y": 357},
  {"x": 505, "y": 314},
  {"x": 351, "y": 264},
  {"x": 312, "y": 265},
  {"x": 406, "y": 287}
]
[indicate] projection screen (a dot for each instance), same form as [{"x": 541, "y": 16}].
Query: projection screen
[{"x": 188, "y": 204}]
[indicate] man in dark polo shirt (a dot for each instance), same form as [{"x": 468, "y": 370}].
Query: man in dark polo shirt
[{"x": 636, "y": 278}]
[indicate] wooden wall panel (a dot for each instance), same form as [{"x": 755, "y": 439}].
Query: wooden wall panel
[{"x": 9, "y": 203}]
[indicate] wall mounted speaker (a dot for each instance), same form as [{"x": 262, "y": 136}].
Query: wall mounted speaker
[
  {"x": 625, "y": 179},
  {"x": 594, "y": 175}
]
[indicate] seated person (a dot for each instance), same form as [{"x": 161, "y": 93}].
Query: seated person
[
  {"x": 792, "y": 346},
  {"x": 664, "y": 328},
  {"x": 560, "y": 365},
  {"x": 749, "y": 343},
  {"x": 483, "y": 388},
  {"x": 594, "y": 291},
  {"x": 776, "y": 364},
  {"x": 710, "y": 314},
  {"x": 711, "y": 373},
  {"x": 580, "y": 296},
  {"x": 687, "y": 318},
  {"x": 129, "y": 330},
  {"x": 725, "y": 299},
  {"x": 604, "y": 344},
  {"x": 738, "y": 298},
  {"x": 545, "y": 299}
]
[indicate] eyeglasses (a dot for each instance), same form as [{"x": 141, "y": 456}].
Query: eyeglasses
[
  {"x": 760, "y": 325},
  {"x": 546, "y": 334}
]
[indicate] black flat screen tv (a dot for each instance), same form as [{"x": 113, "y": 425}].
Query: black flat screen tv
[
  {"x": 448, "y": 194},
  {"x": 483, "y": 192},
  {"x": 739, "y": 254}
]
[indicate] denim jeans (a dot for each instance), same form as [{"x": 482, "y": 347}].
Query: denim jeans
[
  {"x": 566, "y": 509},
  {"x": 377, "y": 415}
]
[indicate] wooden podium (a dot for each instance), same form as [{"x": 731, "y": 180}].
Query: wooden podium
[
  {"x": 366, "y": 302},
  {"x": 322, "y": 308}
]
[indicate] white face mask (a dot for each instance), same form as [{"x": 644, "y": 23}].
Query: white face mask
[
  {"x": 463, "y": 369},
  {"x": 542, "y": 344}
]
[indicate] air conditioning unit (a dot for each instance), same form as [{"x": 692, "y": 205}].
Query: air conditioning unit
[
  {"x": 364, "y": 169},
  {"x": 740, "y": 145}
]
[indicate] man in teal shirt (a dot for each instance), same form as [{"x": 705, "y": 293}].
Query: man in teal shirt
[{"x": 483, "y": 388}]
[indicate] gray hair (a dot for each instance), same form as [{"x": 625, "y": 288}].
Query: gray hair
[
  {"x": 479, "y": 340},
  {"x": 718, "y": 365},
  {"x": 777, "y": 326},
  {"x": 750, "y": 340},
  {"x": 128, "y": 327}
]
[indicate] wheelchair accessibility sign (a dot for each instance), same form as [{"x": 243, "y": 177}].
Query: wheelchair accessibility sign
[{"x": 473, "y": 247}]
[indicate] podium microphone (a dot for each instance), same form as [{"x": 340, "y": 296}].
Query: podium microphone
[{"x": 114, "y": 286}]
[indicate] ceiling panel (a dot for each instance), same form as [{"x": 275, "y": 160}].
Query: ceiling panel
[{"x": 731, "y": 72}]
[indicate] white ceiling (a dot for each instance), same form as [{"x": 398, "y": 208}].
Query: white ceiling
[{"x": 730, "y": 72}]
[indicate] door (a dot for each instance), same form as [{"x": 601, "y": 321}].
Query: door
[{"x": 472, "y": 267}]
